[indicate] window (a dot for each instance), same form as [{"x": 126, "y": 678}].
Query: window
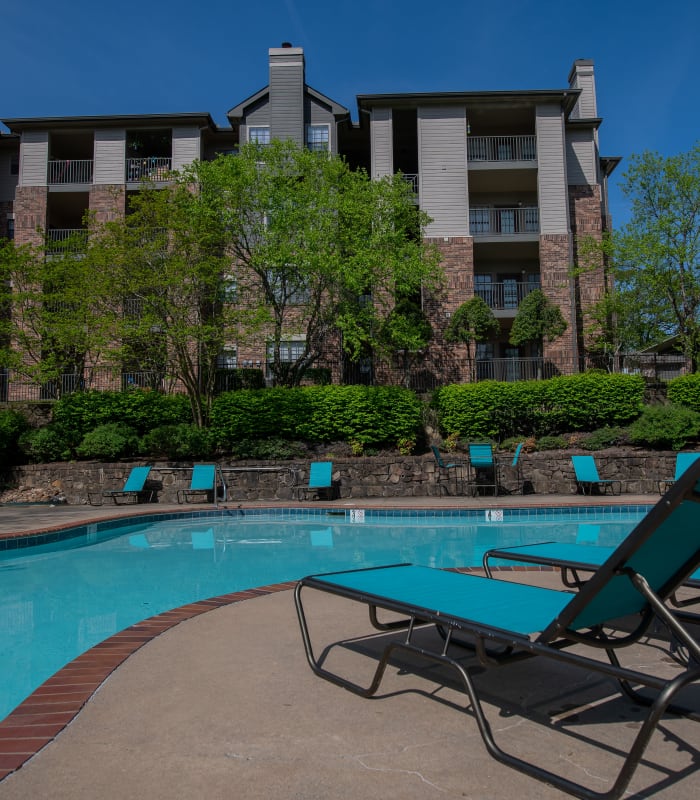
[
  {"x": 227, "y": 359},
  {"x": 228, "y": 289},
  {"x": 317, "y": 137},
  {"x": 286, "y": 290},
  {"x": 290, "y": 350},
  {"x": 479, "y": 220},
  {"x": 259, "y": 134},
  {"x": 11, "y": 228},
  {"x": 14, "y": 164}
]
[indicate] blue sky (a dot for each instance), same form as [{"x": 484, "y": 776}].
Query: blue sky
[{"x": 83, "y": 58}]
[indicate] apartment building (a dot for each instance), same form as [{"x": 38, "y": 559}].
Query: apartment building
[{"x": 509, "y": 179}]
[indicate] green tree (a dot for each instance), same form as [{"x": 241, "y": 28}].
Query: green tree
[
  {"x": 405, "y": 333},
  {"x": 472, "y": 322},
  {"x": 57, "y": 312},
  {"x": 170, "y": 272},
  {"x": 656, "y": 256},
  {"x": 320, "y": 249},
  {"x": 537, "y": 320}
]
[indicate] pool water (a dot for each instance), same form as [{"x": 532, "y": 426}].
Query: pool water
[{"x": 58, "y": 600}]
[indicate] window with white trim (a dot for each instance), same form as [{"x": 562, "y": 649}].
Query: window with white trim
[
  {"x": 227, "y": 359},
  {"x": 290, "y": 350},
  {"x": 259, "y": 134},
  {"x": 318, "y": 137}
]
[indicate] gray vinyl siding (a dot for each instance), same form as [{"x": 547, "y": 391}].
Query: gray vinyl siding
[
  {"x": 319, "y": 115},
  {"x": 586, "y": 107},
  {"x": 442, "y": 153},
  {"x": 34, "y": 157},
  {"x": 581, "y": 168},
  {"x": 287, "y": 100},
  {"x": 187, "y": 146},
  {"x": 8, "y": 183},
  {"x": 551, "y": 170},
  {"x": 381, "y": 142},
  {"x": 110, "y": 156}
]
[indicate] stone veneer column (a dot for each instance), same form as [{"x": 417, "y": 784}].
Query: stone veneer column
[
  {"x": 448, "y": 360},
  {"x": 587, "y": 221},
  {"x": 30, "y": 214},
  {"x": 557, "y": 284}
]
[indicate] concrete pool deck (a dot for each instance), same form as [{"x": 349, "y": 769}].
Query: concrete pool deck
[{"x": 223, "y": 704}]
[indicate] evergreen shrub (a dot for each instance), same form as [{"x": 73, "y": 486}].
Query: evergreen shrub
[
  {"x": 12, "y": 425},
  {"x": 108, "y": 442},
  {"x": 371, "y": 415},
  {"x": 663, "y": 427},
  {"x": 81, "y": 412},
  {"x": 685, "y": 391},
  {"x": 176, "y": 442},
  {"x": 46, "y": 445},
  {"x": 501, "y": 410}
]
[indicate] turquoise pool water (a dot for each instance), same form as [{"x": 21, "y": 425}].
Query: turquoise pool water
[{"x": 58, "y": 599}]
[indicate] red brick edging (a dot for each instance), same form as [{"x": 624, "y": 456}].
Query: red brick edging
[{"x": 55, "y": 704}]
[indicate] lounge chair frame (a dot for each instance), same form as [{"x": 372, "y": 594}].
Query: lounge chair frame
[
  {"x": 202, "y": 484},
  {"x": 617, "y": 588},
  {"x": 133, "y": 491},
  {"x": 457, "y": 468},
  {"x": 588, "y": 480}
]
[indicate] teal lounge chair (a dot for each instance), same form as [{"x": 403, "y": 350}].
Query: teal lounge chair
[
  {"x": 511, "y": 479},
  {"x": 509, "y": 621},
  {"x": 202, "y": 484},
  {"x": 483, "y": 470},
  {"x": 587, "y": 479},
  {"x": 447, "y": 469},
  {"x": 320, "y": 483},
  {"x": 683, "y": 461},
  {"x": 134, "y": 490}
]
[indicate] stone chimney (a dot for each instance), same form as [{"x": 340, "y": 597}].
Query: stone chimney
[
  {"x": 287, "y": 82},
  {"x": 582, "y": 77}
]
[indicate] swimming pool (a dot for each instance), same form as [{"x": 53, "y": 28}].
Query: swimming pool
[{"x": 59, "y": 598}]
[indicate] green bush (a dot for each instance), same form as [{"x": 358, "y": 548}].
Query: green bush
[
  {"x": 370, "y": 415},
  {"x": 12, "y": 426},
  {"x": 663, "y": 427},
  {"x": 499, "y": 410},
  {"x": 176, "y": 442},
  {"x": 142, "y": 410},
  {"x": 685, "y": 391},
  {"x": 604, "y": 437},
  {"x": 108, "y": 442},
  {"x": 552, "y": 443},
  {"x": 268, "y": 449},
  {"x": 45, "y": 445}
]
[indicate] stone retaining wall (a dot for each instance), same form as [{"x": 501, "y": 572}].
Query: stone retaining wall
[{"x": 391, "y": 476}]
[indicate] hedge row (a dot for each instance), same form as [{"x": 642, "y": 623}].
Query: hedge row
[
  {"x": 366, "y": 415},
  {"x": 494, "y": 410}
]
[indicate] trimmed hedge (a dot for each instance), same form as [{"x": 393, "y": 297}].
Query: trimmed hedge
[
  {"x": 370, "y": 415},
  {"x": 82, "y": 412},
  {"x": 496, "y": 410},
  {"x": 685, "y": 391}
]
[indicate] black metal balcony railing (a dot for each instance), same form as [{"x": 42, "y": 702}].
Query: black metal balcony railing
[
  {"x": 69, "y": 171},
  {"x": 503, "y": 296},
  {"x": 502, "y": 148},
  {"x": 152, "y": 167},
  {"x": 66, "y": 240},
  {"x": 504, "y": 221}
]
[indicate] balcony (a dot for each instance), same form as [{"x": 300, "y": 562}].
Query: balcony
[
  {"x": 520, "y": 221},
  {"x": 499, "y": 149},
  {"x": 505, "y": 296},
  {"x": 411, "y": 179},
  {"x": 69, "y": 171},
  {"x": 65, "y": 240},
  {"x": 150, "y": 168}
]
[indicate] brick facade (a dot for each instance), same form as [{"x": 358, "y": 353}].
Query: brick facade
[
  {"x": 30, "y": 214},
  {"x": 557, "y": 284}
]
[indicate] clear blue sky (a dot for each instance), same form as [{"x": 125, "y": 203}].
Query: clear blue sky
[{"x": 84, "y": 58}]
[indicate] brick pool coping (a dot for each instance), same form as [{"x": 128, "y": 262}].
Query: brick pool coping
[{"x": 54, "y": 705}]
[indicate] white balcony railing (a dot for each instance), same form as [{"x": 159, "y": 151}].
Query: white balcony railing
[
  {"x": 411, "y": 178},
  {"x": 504, "y": 221},
  {"x": 69, "y": 171},
  {"x": 504, "y": 295},
  {"x": 66, "y": 240},
  {"x": 502, "y": 148},
  {"x": 152, "y": 167}
]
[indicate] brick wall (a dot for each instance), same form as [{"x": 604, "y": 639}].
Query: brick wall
[
  {"x": 30, "y": 214},
  {"x": 556, "y": 282}
]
